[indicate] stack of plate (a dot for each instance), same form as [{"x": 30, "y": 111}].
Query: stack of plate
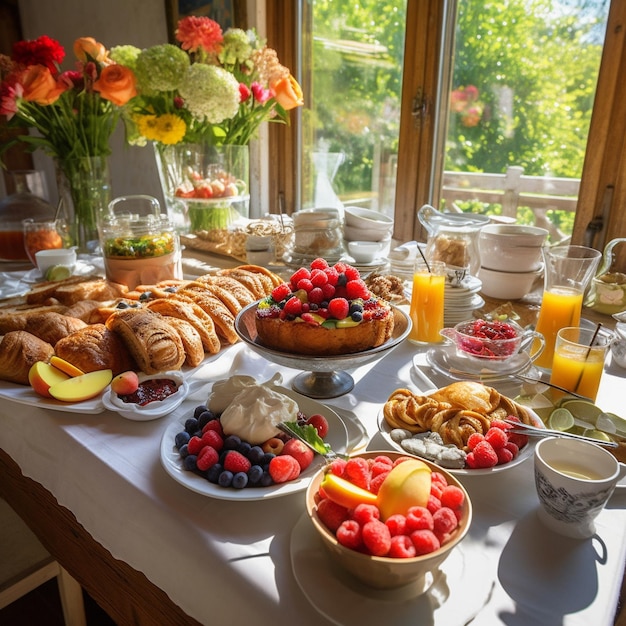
[{"x": 461, "y": 301}]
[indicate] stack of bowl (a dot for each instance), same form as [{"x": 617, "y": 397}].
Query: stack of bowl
[
  {"x": 511, "y": 259},
  {"x": 367, "y": 225}
]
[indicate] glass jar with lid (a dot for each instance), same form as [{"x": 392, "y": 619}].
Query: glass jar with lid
[
  {"x": 318, "y": 233},
  {"x": 140, "y": 245}
]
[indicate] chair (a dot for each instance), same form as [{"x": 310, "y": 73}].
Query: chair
[{"x": 25, "y": 565}]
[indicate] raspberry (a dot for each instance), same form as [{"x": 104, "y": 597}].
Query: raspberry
[
  {"x": 338, "y": 308},
  {"x": 439, "y": 478},
  {"x": 485, "y": 455},
  {"x": 434, "y": 503},
  {"x": 436, "y": 489},
  {"x": 496, "y": 437},
  {"x": 284, "y": 468},
  {"x": 425, "y": 541},
  {"x": 236, "y": 462},
  {"x": 316, "y": 295},
  {"x": 338, "y": 467},
  {"x": 396, "y": 524},
  {"x": 195, "y": 445},
  {"x": 215, "y": 425},
  {"x": 207, "y": 458},
  {"x": 474, "y": 439},
  {"x": 293, "y": 306},
  {"x": 364, "y": 513},
  {"x": 452, "y": 497},
  {"x": 328, "y": 290},
  {"x": 504, "y": 455},
  {"x": 357, "y": 471},
  {"x": 512, "y": 447},
  {"x": 385, "y": 460},
  {"x": 444, "y": 521},
  {"x": 319, "y": 264},
  {"x": 376, "y": 538},
  {"x": 281, "y": 292},
  {"x": 349, "y": 534},
  {"x": 318, "y": 277},
  {"x": 351, "y": 273},
  {"x": 212, "y": 438},
  {"x": 320, "y": 423},
  {"x": 419, "y": 518},
  {"x": 298, "y": 275},
  {"x": 379, "y": 468},
  {"x": 377, "y": 481},
  {"x": 357, "y": 289},
  {"x": 306, "y": 284},
  {"x": 332, "y": 275},
  {"x": 401, "y": 547},
  {"x": 332, "y": 514},
  {"x": 500, "y": 424},
  {"x": 519, "y": 440}
]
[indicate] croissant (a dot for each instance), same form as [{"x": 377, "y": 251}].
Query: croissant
[
  {"x": 154, "y": 344},
  {"x": 95, "y": 347},
  {"x": 192, "y": 342},
  {"x": 19, "y": 350},
  {"x": 49, "y": 326},
  {"x": 223, "y": 319}
]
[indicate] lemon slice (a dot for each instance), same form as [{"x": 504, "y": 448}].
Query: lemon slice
[
  {"x": 582, "y": 410},
  {"x": 58, "y": 272},
  {"x": 611, "y": 423},
  {"x": 561, "y": 419}
]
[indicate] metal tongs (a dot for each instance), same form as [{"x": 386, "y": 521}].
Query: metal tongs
[
  {"x": 329, "y": 455},
  {"x": 534, "y": 431}
]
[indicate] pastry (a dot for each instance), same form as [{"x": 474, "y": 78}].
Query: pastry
[
  {"x": 223, "y": 319},
  {"x": 192, "y": 343},
  {"x": 19, "y": 351},
  {"x": 49, "y": 326}
]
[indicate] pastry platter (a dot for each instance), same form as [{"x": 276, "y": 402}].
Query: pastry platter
[
  {"x": 324, "y": 376},
  {"x": 172, "y": 463},
  {"x": 24, "y": 394}
]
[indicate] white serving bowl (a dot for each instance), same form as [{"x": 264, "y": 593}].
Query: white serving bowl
[
  {"x": 511, "y": 247},
  {"x": 507, "y": 285},
  {"x": 57, "y": 256},
  {"x": 366, "y": 219},
  {"x": 352, "y": 233},
  {"x": 363, "y": 251}
]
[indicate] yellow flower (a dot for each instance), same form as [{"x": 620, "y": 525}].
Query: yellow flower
[{"x": 168, "y": 128}]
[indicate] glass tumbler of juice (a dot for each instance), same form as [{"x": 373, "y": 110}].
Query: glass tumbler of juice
[
  {"x": 578, "y": 361},
  {"x": 427, "y": 300}
]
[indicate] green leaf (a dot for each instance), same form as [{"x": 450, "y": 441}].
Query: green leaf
[{"x": 310, "y": 435}]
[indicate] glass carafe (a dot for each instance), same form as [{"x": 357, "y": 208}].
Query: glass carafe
[{"x": 453, "y": 237}]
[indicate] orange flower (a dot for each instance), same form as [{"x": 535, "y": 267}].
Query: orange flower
[
  {"x": 287, "y": 92},
  {"x": 87, "y": 48},
  {"x": 39, "y": 85},
  {"x": 117, "y": 84}
]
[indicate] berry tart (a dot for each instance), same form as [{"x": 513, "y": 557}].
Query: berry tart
[{"x": 323, "y": 310}]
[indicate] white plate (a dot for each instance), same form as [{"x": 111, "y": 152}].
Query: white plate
[
  {"x": 24, "y": 394},
  {"x": 525, "y": 453},
  {"x": 153, "y": 410},
  {"x": 473, "y": 302},
  {"x": 456, "y": 592},
  {"x": 448, "y": 362},
  {"x": 171, "y": 461}
]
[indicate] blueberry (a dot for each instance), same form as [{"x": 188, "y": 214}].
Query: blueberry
[
  {"x": 170, "y": 289},
  {"x": 122, "y": 305},
  {"x": 244, "y": 447},
  {"x": 255, "y": 455},
  {"x": 267, "y": 457},
  {"x": 342, "y": 279},
  {"x": 191, "y": 425},
  {"x": 255, "y": 473},
  {"x": 145, "y": 295},
  {"x": 189, "y": 462},
  {"x": 205, "y": 417},
  {"x": 232, "y": 442},
  {"x": 183, "y": 450},
  {"x": 355, "y": 307},
  {"x": 357, "y": 316},
  {"x": 181, "y": 439},
  {"x": 198, "y": 410},
  {"x": 213, "y": 473},
  {"x": 266, "y": 479},
  {"x": 225, "y": 479},
  {"x": 240, "y": 480}
]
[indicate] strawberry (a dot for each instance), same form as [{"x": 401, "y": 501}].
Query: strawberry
[{"x": 236, "y": 462}]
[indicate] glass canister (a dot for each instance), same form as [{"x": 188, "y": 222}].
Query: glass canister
[
  {"x": 453, "y": 237},
  {"x": 318, "y": 233},
  {"x": 139, "y": 244}
]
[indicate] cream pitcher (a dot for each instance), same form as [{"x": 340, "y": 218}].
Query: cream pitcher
[{"x": 607, "y": 293}]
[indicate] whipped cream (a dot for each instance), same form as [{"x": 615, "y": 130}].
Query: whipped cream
[{"x": 224, "y": 391}]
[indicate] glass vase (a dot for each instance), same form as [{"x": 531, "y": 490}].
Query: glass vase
[
  {"x": 206, "y": 187},
  {"x": 84, "y": 185}
]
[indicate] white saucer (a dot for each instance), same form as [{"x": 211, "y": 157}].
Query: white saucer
[
  {"x": 454, "y": 595},
  {"x": 473, "y": 302}
]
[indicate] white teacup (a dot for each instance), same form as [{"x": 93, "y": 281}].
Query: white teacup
[{"x": 574, "y": 480}]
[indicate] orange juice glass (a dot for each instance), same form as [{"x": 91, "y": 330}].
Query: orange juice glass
[
  {"x": 568, "y": 272},
  {"x": 427, "y": 302},
  {"x": 577, "y": 364}
]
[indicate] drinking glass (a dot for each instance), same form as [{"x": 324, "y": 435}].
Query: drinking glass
[
  {"x": 578, "y": 360},
  {"x": 426, "y": 310},
  {"x": 568, "y": 272},
  {"x": 44, "y": 234}
]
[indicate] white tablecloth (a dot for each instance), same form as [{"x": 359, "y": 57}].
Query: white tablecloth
[{"x": 229, "y": 562}]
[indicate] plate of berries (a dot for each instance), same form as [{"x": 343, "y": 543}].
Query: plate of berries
[{"x": 196, "y": 453}]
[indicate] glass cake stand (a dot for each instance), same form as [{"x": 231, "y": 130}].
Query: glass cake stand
[{"x": 323, "y": 376}]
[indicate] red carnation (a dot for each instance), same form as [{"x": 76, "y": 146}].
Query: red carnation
[{"x": 41, "y": 51}]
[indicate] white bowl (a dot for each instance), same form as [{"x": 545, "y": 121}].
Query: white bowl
[
  {"x": 511, "y": 247},
  {"x": 57, "y": 256},
  {"x": 366, "y": 219},
  {"x": 507, "y": 285},
  {"x": 363, "y": 251},
  {"x": 353, "y": 233}
]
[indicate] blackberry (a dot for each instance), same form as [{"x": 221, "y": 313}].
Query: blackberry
[
  {"x": 191, "y": 425},
  {"x": 189, "y": 462},
  {"x": 225, "y": 479},
  {"x": 240, "y": 480},
  {"x": 181, "y": 439}
]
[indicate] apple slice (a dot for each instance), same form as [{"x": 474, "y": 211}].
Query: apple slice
[
  {"x": 65, "y": 366},
  {"x": 42, "y": 376},
  {"x": 82, "y": 387}
]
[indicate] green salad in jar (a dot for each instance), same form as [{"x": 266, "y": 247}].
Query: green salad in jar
[{"x": 141, "y": 247}]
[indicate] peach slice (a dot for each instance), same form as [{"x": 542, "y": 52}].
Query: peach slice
[
  {"x": 65, "y": 366},
  {"x": 125, "y": 383},
  {"x": 406, "y": 485},
  {"x": 42, "y": 376},
  {"x": 82, "y": 387}
]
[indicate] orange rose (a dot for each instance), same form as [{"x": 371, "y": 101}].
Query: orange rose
[
  {"x": 40, "y": 86},
  {"x": 287, "y": 92},
  {"x": 86, "y": 48},
  {"x": 117, "y": 84}
]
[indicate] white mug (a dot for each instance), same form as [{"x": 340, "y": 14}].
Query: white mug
[{"x": 574, "y": 480}]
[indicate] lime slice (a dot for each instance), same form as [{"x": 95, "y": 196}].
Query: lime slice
[
  {"x": 582, "y": 410},
  {"x": 58, "y": 272},
  {"x": 596, "y": 434},
  {"x": 611, "y": 423},
  {"x": 561, "y": 419}
]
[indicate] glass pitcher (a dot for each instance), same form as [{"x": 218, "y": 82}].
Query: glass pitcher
[{"x": 453, "y": 237}]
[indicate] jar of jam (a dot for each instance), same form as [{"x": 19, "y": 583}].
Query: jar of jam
[{"x": 139, "y": 244}]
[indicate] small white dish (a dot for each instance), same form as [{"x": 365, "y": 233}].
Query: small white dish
[
  {"x": 58, "y": 256},
  {"x": 152, "y": 410},
  {"x": 363, "y": 251}
]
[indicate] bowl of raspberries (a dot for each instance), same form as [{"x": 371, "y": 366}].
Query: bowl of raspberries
[
  {"x": 493, "y": 340},
  {"x": 388, "y": 519}
]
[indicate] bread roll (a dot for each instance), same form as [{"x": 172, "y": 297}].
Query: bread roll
[
  {"x": 154, "y": 344},
  {"x": 19, "y": 350}
]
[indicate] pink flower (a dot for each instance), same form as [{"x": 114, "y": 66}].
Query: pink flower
[
  {"x": 9, "y": 96},
  {"x": 244, "y": 92},
  {"x": 260, "y": 94}
]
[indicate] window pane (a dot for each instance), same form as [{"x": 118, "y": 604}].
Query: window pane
[
  {"x": 522, "y": 94},
  {"x": 350, "y": 131}
]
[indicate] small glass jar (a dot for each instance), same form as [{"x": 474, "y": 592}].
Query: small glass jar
[
  {"x": 139, "y": 248},
  {"x": 318, "y": 232}
]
